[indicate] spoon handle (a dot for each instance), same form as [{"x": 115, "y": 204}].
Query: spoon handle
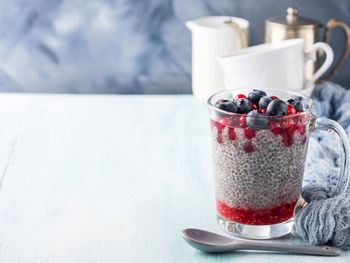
[{"x": 291, "y": 248}]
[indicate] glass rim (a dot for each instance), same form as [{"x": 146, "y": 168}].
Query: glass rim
[{"x": 228, "y": 113}]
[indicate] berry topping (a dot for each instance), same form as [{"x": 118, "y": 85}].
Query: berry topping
[
  {"x": 298, "y": 105},
  {"x": 254, "y": 115},
  {"x": 244, "y": 105},
  {"x": 304, "y": 101},
  {"x": 277, "y": 108},
  {"x": 240, "y": 96},
  {"x": 255, "y": 95},
  {"x": 264, "y": 102},
  {"x": 226, "y": 105},
  {"x": 291, "y": 109},
  {"x": 257, "y": 120}
]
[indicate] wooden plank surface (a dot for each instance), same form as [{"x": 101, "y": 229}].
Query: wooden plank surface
[{"x": 88, "y": 178}]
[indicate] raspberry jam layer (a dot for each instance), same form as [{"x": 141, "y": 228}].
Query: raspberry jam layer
[{"x": 271, "y": 216}]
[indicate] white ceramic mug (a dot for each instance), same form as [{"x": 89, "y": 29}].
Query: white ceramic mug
[
  {"x": 212, "y": 37},
  {"x": 277, "y": 65}
]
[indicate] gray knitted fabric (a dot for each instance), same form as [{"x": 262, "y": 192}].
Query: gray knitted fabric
[{"x": 326, "y": 220}]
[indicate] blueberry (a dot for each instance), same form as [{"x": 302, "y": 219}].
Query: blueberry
[
  {"x": 244, "y": 105},
  {"x": 257, "y": 120},
  {"x": 255, "y": 95},
  {"x": 264, "y": 102},
  {"x": 298, "y": 105},
  {"x": 304, "y": 101},
  {"x": 226, "y": 105},
  {"x": 277, "y": 108}
]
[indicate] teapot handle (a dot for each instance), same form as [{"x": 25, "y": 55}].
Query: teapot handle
[
  {"x": 241, "y": 33},
  {"x": 330, "y": 25}
]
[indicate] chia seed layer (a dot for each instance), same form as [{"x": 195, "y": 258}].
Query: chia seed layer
[{"x": 260, "y": 172}]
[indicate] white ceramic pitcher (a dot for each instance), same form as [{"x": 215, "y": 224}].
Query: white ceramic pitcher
[{"x": 212, "y": 37}]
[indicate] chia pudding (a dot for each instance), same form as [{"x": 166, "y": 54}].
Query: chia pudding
[{"x": 258, "y": 169}]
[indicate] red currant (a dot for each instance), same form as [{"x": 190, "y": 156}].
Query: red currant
[
  {"x": 291, "y": 109},
  {"x": 241, "y": 96}
]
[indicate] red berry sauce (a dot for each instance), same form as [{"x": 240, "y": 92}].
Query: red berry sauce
[
  {"x": 270, "y": 216},
  {"x": 231, "y": 133},
  {"x": 249, "y": 133}
]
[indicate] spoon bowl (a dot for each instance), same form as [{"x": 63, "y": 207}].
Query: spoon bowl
[{"x": 208, "y": 241}]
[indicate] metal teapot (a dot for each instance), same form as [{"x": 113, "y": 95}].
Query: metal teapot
[{"x": 293, "y": 26}]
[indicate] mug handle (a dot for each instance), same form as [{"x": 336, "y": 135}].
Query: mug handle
[
  {"x": 330, "y": 25},
  {"x": 335, "y": 128},
  {"x": 241, "y": 33},
  {"x": 312, "y": 55}
]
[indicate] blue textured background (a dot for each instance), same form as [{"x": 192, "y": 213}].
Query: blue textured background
[{"x": 124, "y": 46}]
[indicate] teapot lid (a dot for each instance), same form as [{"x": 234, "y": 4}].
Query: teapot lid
[{"x": 293, "y": 20}]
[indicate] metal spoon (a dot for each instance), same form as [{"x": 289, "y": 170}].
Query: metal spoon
[{"x": 214, "y": 243}]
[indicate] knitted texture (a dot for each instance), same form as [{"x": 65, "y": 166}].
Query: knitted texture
[{"x": 326, "y": 220}]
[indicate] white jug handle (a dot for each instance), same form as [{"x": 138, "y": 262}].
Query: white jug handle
[
  {"x": 312, "y": 55},
  {"x": 241, "y": 33}
]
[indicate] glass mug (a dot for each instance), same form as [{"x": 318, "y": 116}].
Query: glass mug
[{"x": 259, "y": 172}]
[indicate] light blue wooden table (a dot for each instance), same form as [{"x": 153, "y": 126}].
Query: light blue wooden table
[{"x": 88, "y": 178}]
